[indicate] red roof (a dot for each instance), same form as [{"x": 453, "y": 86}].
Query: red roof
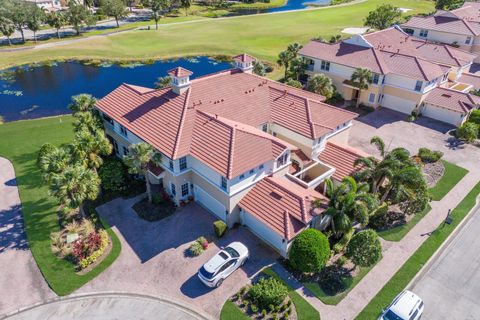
[
  {"x": 156, "y": 170},
  {"x": 469, "y": 11},
  {"x": 179, "y": 72},
  {"x": 282, "y": 205},
  {"x": 244, "y": 58},
  {"x": 471, "y": 79},
  {"x": 444, "y": 24},
  {"x": 173, "y": 123},
  {"x": 452, "y": 100},
  {"x": 342, "y": 158}
]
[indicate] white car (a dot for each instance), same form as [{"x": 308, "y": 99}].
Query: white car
[
  {"x": 406, "y": 306},
  {"x": 229, "y": 259}
]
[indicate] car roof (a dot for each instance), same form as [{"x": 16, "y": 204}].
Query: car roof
[
  {"x": 216, "y": 261},
  {"x": 405, "y": 303},
  {"x": 239, "y": 247}
]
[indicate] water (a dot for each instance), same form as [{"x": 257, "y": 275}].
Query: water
[
  {"x": 298, "y": 4},
  {"x": 34, "y": 92}
]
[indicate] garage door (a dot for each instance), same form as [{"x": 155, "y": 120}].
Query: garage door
[
  {"x": 209, "y": 203},
  {"x": 441, "y": 114},
  {"x": 398, "y": 104},
  {"x": 263, "y": 232}
]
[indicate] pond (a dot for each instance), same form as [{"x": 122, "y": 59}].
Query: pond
[
  {"x": 299, "y": 4},
  {"x": 46, "y": 90}
]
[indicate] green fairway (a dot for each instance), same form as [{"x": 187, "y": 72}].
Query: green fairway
[
  {"x": 263, "y": 36},
  {"x": 19, "y": 143},
  {"x": 453, "y": 174}
]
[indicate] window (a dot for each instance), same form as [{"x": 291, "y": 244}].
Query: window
[
  {"x": 418, "y": 85},
  {"x": 282, "y": 160},
  {"x": 380, "y": 97},
  {"x": 325, "y": 65},
  {"x": 224, "y": 183},
  {"x": 183, "y": 163},
  {"x": 414, "y": 315},
  {"x": 468, "y": 40},
  {"x": 265, "y": 127},
  {"x": 445, "y": 77},
  {"x": 375, "y": 78},
  {"x": 261, "y": 167},
  {"x": 108, "y": 119},
  {"x": 242, "y": 176},
  {"x": 172, "y": 189},
  {"x": 371, "y": 97},
  {"x": 423, "y": 33},
  {"x": 170, "y": 164},
  {"x": 251, "y": 171},
  {"x": 125, "y": 151},
  {"x": 409, "y": 31},
  {"x": 115, "y": 146},
  {"x": 123, "y": 131},
  {"x": 184, "y": 189}
]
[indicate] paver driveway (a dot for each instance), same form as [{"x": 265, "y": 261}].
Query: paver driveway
[{"x": 152, "y": 261}]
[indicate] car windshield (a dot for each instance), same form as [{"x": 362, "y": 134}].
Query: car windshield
[
  {"x": 232, "y": 252},
  {"x": 206, "y": 274},
  {"x": 390, "y": 315}
]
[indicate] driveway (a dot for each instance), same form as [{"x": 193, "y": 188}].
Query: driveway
[
  {"x": 21, "y": 283},
  {"x": 425, "y": 132},
  {"x": 451, "y": 286},
  {"x": 152, "y": 261}
]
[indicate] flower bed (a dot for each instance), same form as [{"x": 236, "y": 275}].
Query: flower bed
[{"x": 160, "y": 207}]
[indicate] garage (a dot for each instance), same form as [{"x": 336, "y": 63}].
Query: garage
[
  {"x": 442, "y": 114},
  {"x": 209, "y": 203},
  {"x": 398, "y": 104}
]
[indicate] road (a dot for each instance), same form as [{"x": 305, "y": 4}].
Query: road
[{"x": 451, "y": 286}]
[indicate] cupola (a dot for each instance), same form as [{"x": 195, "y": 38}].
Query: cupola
[
  {"x": 244, "y": 62},
  {"x": 180, "y": 79}
]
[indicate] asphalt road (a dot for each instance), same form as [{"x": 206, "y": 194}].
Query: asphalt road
[{"x": 451, "y": 287}]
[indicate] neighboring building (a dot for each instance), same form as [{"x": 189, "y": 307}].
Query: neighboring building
[
  {"x": 460, "y": 27},
  {"x": 233, "y": 134},
  {"x": 405, "y": 69},
  {"x": 49, "y": 5}
]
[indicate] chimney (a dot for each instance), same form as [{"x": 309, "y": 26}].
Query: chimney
[
  {"x": 180, "y": 79},
  {"x": 244, "y": 62}
]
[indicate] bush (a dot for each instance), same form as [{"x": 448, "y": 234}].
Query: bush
[
  {"x": 264, "y": 313},
  {"x": 268, "y": 292},
  {"x": 220, "y": 228},
  {"x": 112, "y": 175},
  {"x": 254, "y": 308},
  {"x": 331, "y": 280},
  {"x": 310, "y": 251},
  {"x": 341, "y": 261},
  {"x": 195, "y": 249},
  {"x": 365, "y": 248},
  {"x": 45, "y": 149},
  {"x": 157, "y": 198},
  {"x": 468, "y": 132},
  {"x": 429, "y": 156},
  {"x": 475, "y": 116},
  {"x": 203, "y": 242}
]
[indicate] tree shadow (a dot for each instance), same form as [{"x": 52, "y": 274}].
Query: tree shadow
[{"x": 12, "y": 233}]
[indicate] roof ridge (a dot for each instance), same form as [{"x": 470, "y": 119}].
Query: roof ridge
[
  {"x": 286, "y": 224},
  {"x": 275, "y": 182},
  {"x": 133, "y": 86},
  {"x": 230, "y": 154},
  {"x": 182, "y": 121},
  {"x": 467, "y": 24},
  {"x": 213, "y": 75},
  {"x": 421, "y": 68},
  {"x": 339, "y": 146},
  {"x": 447, "y": 48},
  {"x": 309, "y": 118},
  {"x": 380, "y": 64}
]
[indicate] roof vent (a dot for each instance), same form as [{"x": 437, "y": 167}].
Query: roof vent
[
  {"x": 445, "y": 95},
  {"x": 276, "y": 195},
  {"x": 180, "y": 79}
]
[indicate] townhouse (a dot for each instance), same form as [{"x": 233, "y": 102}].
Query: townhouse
[
  {"x": 405, "y": 71},
  {"x": 246, "y": 148}
]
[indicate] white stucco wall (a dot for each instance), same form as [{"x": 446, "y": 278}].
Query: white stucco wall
[{"x": 442, "y": 114}]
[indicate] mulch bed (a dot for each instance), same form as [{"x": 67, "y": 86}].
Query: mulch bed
[
  {"x": 153, "y": 212},
  {"x": 433, "y": 172}
]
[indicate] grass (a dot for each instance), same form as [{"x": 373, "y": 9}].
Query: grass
[
  {"x": 263, "y": 36},
  {"x": 396, "y": 234},
  {"x": 314, "y": 287},
  {"x": 20, "y": 143},
  {"x": 231, "y": 312},
  {"x": 415, "y": 263},
  {"x": 453, "y": 174}
]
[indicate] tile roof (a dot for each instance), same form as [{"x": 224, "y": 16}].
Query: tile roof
[
  {"x": 179, "y": 72},
  {"x": 244, "y": 58},
  {"x": 452, "y": 100},
  {"x": 469, "y": 11},
  {"x": 282, "y": 205},
  {"x": 172, "y": 123},
  {"x": 156, "y": 170},
  {"x": 341, "y": 157},
  {"x": 470, "y": 78},
  {"x": 444, "y": 24}
]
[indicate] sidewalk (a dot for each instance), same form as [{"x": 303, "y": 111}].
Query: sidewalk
[{"x": 394, "y": 256}]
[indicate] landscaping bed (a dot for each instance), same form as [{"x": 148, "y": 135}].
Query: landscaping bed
[
  {"x": 156, "y": 210},
  {"x": 453, "y": 174}
]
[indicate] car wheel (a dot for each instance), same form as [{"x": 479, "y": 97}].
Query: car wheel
[{"x": 219, "y": 283}]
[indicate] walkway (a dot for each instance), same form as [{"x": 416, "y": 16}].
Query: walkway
[
  {"x": 21, "y": 283},
  {"x": 108, "y": 306}
]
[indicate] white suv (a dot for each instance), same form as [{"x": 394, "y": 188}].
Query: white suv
[
  {"x": 406, "y": 306},
  {"x": 223, "y": 264}
]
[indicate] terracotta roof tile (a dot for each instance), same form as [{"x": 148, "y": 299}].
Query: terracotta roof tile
[
  {"x": 179, "y": 72},
  {"x": 244, "y": 58},
  {"x": 444, "y": 24},
  {"x": 471, "y": 79},
  {"x": 452, "y": 100},
  {"x": 342, "y": 158}
]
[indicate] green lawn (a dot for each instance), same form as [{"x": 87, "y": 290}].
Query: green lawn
[
  {"x": 334, "y": 300},
  {"x": 453, "y": 175},
  {"x": 263, "y": 36},
  {"x": 19, "y": 143},
  {"x": 397, "y": 233},
  {"x": 304, "y": 310},
  {"x": 413, "y": 265}
]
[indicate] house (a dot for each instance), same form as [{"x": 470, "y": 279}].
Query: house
[
  {"x": 229, "y": 138},
  {"x": 459, "y": 27},
  {"x": 405, "y": 70},
  {"x": 49, "y": 5}
]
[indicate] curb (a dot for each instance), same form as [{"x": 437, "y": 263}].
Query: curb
[
  {"x": 194, "y": 313},
  {"x": 444, "y": 246}
]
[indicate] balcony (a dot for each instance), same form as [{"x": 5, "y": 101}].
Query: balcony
[
  {"x": 312, "y": 175},
  {"x": 459, "y": 86}
]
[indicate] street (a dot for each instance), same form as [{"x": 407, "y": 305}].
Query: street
[{"x": 451, "y": 287}]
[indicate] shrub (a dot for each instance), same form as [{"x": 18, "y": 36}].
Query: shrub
[
  {"x": 468, "y": 131},
  {"x": 203, "y": 242},
  {"x": 475, "y": 115},
  {"x": 331, "y": 281},
  {"x": 112, "y": 175},
  {"x": 195, "y": 249},
  {"x": 245, "y": 303},
  {"x": 310, "y": 251},
  {"x": 157, "y": 199},
  {"x": 274, "y": 316},
  {"x": 254, "y": 308},
  {"x": 268, "y": 292},
  {"x": 220, "y": 228},
  {"x": 429, "y": 156},
  {"x": 45, "y": 149},
  {"x": 264, "y": 313},
  {"x": 365, "y": 248},
  {"x": 341, "y": 261}
]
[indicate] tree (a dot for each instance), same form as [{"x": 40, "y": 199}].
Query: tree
[
  {"x": 259, "y": 68},
  {"x": 468, "y": 132},
  {"x": 297, "y": 68},
  {"x": 474, "y": 117},
  {"x": 186, "y": 4},
  {"x": 7, "y": 28},
  {"x": 448, "y": 4},
  {"x": 82, "y": 103},
  {"x": 382, "y": 17},
  {"x": 361, "y": 78},
  {"x": 294, "y": 83},
  {"x": 310, "y": 251},
  {"x": 138, "y": 158},
  {"x": 114, "y": 8},
  {"x": 321, "y": 84},
  {"x": 294, "y": 48},
  {"x": 365, "y": 248},
  {"x": 91, "y": 146},
  {"x": 78, "y": 16},
  {"x": 283, "y": 60},
  {"x": 35, "y": 18},
  {"x": 17, "y": 12},
  {"x": 52, "y": 160},
  {"x": 163, "y": 82},
  {"x": 57, "y": 20},
  {"x": 130, "y": 3},
  {"x": 157, "y": 7}
]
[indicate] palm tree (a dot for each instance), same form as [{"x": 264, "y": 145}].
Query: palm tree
[
  {"x": 284, "y": 59},
  {"x": 163, "y": 82},
  {"x": 321, "y": 84},
  {"x": 297, "y": 68},
  {"x": 186, "y": 4},
  {"x": 91, "y": 146},
  {"x": 82, "y": 103},
  {"x": 138, "y": 159},
  {"x": 86, "y": 121},
  {"x": 361, "y": 78},
  {"x": 53, "y": 160},
  {"x": 294, "y": 48}
]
